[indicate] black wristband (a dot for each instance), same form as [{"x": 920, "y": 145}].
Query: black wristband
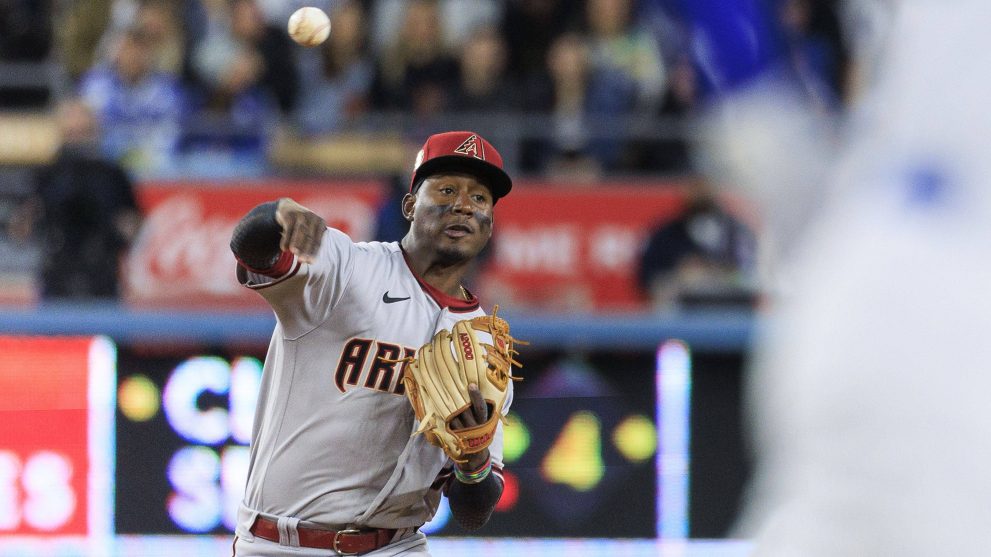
[{"x": 472, "y": 504}]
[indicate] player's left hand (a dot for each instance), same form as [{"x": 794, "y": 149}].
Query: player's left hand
[
  {"x": 459, "y": 398},
  {"x": 477, "y": 414}
]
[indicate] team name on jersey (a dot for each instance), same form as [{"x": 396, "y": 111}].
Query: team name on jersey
[{"x": 381, "y": 373}]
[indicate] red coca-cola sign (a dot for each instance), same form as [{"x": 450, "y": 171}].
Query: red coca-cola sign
[
  {"x": 182, "y": 254},
  {"x": 557, "y": 246},
  {"x": 563, "y": 247}
]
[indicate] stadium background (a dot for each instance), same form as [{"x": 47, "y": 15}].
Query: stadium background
[{"x": 126, "y": 417}]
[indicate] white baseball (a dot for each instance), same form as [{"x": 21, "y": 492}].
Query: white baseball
[{"x": 309, "y": 26}]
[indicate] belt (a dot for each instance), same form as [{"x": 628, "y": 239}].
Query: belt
[{"x": 344, "y": 542}]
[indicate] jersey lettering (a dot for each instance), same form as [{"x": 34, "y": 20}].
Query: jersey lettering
[
  {"x": 381, "y": 372},
  {"x": 400, "y": 386},
  {"x": 352, "y": 360},
  {"x": 380, "y": 376}
]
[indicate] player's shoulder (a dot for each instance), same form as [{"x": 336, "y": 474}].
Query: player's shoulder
[
  {"x": 384, "y": 248},
  {"x": 337, "y": 235}
]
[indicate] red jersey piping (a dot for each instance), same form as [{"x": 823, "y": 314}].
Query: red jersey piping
[{"x": 281, "y": 267}]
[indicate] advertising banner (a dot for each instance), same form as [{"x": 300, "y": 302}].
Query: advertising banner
[
  {"x": 555, "y": 246},
  {"x": 182, "y": 255},
  {"x": 563, "y": 247},
  {"x": 56, "y": 436}
]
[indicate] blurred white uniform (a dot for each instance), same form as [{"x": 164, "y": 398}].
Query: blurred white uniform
[{"x": 871, "y": 390}]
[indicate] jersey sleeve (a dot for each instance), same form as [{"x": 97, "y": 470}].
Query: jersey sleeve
[{"x": 303, "y": 294}]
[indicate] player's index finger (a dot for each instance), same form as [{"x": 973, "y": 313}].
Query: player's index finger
[
  {"x": 288, "y": 221},
  {"x": 315, "y": 229},
  {"x": 299, "y": 241},
  {"x": 477, "y": 403}
]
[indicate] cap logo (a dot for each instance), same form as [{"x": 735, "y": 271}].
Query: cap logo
[{"x": 472, "y": 147}]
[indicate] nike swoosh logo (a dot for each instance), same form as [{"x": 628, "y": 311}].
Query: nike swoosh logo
[{"x": 390, "y": 300}]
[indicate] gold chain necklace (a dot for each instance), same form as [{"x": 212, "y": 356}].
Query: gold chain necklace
[{"x": 464, "y": 293}]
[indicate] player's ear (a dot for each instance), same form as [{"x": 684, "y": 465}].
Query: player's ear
[{"x": 409, "y": 200}]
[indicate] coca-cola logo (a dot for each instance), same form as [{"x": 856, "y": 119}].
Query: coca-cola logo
[
  {"x": 182, "y": 252},
  {"x": 182, "y": 249}
]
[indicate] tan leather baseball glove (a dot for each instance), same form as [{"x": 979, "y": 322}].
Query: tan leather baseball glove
[{"x": 478, "y": 351}]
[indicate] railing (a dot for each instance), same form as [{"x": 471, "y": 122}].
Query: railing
[
  {"x": 47, "y": 75},
  {"x": 709, "y": 331},
  {"x": 393, "y": 136}
]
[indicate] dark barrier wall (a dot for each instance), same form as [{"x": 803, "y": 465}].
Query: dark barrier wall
[{"x": 720, "y": 461}]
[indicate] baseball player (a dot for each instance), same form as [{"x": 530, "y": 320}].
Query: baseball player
[
  {"x": 869, "y": 390},
  {"x": 333, "y": 468}
]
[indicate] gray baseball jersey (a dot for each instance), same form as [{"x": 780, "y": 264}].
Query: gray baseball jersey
[{"x": 331, "y": 439}]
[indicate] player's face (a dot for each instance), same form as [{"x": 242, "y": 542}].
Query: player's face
[{"x": 453, "y": 212}]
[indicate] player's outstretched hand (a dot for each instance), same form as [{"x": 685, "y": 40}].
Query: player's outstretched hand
[
  {"x": 302, "y": 229},
  {"x": 477, "y": 414}
]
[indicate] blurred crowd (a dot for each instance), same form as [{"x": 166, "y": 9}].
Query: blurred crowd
[
  {"x": 572, "y": 89},
  {"x": 181, "y": 86}
]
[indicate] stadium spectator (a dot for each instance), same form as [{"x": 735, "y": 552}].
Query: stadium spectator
[
  {"x": 682, "y": 96},
  {"x": 245, "y": 73},
  {"x": 458, "y": 20},
  {"x": 279, "y": 74},
  {"x": 484, "y": 85},
  {"x": 623, "y": 49},
  {"x": 236, "y": 32},
  {"x": 158, "y": 20},
  {"x": 671, "y": 153},
  {"x": 813, "y": 58},
  {"x": 704, "y": 258},
  {"x": 138, "y": 107},
  {"x": 338, "y": 74},
  {"x": 415, "y": 72},
  {"x": 580, "y": 102},
  {"x": 86, "y": 30},
  {"x": 79, "y": 29},
  {"x": 529, "y": 27},
  {"x": 83, "y": 210},
  {"x": 160, "y": 23}
]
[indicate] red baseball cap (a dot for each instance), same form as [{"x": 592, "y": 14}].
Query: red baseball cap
[{"x": 462, "y": 152}]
